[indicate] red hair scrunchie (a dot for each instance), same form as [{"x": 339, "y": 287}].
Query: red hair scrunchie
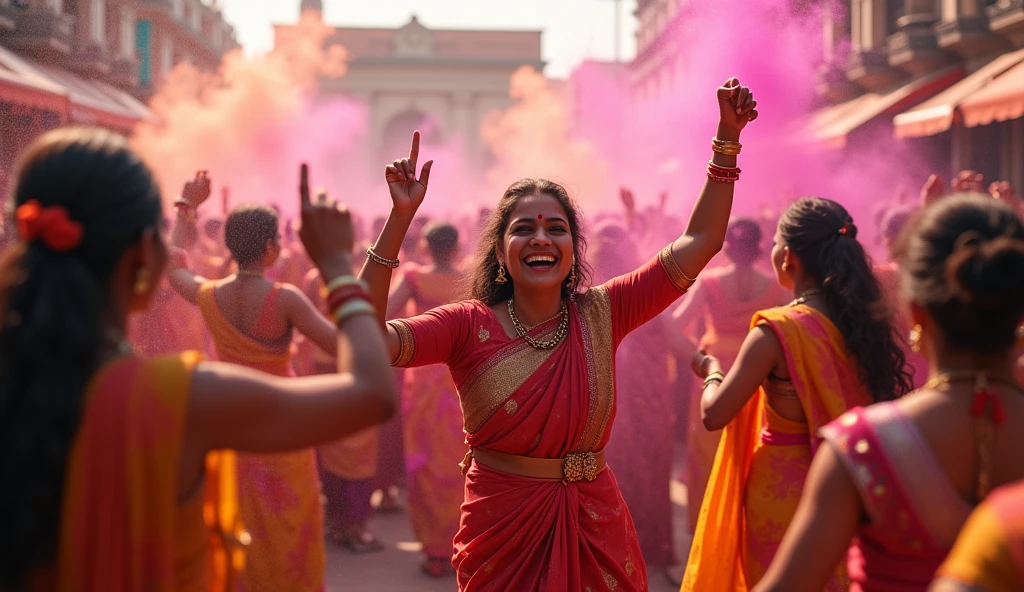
[{"x": 51, "y": 224}]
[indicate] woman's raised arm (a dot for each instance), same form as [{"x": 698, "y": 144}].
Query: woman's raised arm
[
  {"x": 407, "y": 193},
  {"x": 183, "y": 235},
  {"x": 237, "y": 408},
  {"x": 705, "y": 232}
]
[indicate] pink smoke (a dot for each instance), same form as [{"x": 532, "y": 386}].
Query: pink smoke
[{"x": 255, "y": 121}]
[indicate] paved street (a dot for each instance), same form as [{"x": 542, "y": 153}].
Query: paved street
[{"x": 397, "y": 569}]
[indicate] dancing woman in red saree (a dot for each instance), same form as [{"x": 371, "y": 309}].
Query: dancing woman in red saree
[{"x": 532, "y": 357}]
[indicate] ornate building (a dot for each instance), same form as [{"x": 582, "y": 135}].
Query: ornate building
[{"x": 442, "y": 82}]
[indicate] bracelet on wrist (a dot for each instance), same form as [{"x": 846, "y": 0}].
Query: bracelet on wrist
[
  {"x": 353, "y": 308},
  {"x": 346, "y": 280},
  {"x": 341, "y": 298},
  {"x": 391, "y": 263},
  {"x": 726, "y": 147}
]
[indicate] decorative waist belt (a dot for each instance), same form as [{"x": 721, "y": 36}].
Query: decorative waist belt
[{"x": 578, "y": 466}]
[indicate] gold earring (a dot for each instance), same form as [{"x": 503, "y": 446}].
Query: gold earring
[
  {"x": 785, "y": 266},
  {"x": 141, "y": 286},
  {"x": 502, "y": 278},
  {"x": 914, "y": 339},
  {"x": 572, "y": 276}
]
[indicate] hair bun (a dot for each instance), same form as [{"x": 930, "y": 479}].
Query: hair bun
[{"x": 988, "y": 273}]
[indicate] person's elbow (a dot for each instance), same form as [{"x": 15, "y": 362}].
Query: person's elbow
[
  {"x": 384, "y": 393},
  {"x": 713, "y": 419}
]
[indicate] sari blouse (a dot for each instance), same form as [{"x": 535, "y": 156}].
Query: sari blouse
[
  {"x": 547, "y": 404},
  {"x": 913, "y": 512}
]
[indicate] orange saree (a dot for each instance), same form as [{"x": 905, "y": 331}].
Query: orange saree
[
  {"x": 763, "y": 458},
  {"x": 279, "y": 494},
  {"x": 521, "y": 533},
  {"x": 123, "y": 527}
]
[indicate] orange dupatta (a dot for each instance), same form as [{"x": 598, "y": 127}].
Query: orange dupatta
[
  {"x": 237, "y": 347},
  {"x": 826, "y": 381},
  {"x": 121, "y": 513}
]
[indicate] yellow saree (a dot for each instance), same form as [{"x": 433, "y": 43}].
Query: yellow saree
[
  {"x": 123, "y": 527},
  {"x": 728, "y": 552}
]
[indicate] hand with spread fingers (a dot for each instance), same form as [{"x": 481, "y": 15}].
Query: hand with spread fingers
[
  {"x": 736, "y": 105},
  {"x": 326, "y": 231},
  {"x": 407, "y": 188}
]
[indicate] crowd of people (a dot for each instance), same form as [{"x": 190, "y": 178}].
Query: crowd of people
[{"x": 206, "y": 403}]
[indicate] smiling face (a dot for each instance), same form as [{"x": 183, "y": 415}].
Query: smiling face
[{"x": 537, "y": 245}]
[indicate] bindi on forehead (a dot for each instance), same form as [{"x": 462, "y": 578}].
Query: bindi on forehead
[{"x": 540, "y": 216}]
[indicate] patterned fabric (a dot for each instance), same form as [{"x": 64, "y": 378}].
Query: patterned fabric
[
  {"x": 915, "y": 513},
  {"x": 279, "y": 494},
  {"x": 123, "y": 528},
  {"x": 755, "y": 486},
  {"x": 727, "y": 323},
  {"x": 518, "y": 533},
  {"x": 989, "y": 553}
]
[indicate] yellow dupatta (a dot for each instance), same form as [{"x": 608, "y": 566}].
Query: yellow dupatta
[
  {"x": 826, "y": 381},
  {"x": 123, "y": 528}
]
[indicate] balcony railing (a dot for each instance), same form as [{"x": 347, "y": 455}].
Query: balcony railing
[{"x": 1006, "y": 18}]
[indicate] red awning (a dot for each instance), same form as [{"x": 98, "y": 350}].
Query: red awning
[
  {"x": 831, "y": 125},
  {"x": 1001, "y": 100},
  {"x": 20, "y": 83},
  {"x": 94, "y": 102},
  {"x": 937, "y": 114}
]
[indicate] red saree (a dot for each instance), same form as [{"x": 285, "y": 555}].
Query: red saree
[{"x": 518, "y": 533}]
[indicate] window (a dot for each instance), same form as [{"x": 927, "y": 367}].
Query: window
[
  {"x": 127, "y": 31},
  {"x": 99, "y": 22}
]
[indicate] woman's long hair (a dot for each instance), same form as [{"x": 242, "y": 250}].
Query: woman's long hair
[
  {"x": 963, "y": 259},
  {"x": 821, "y": 234},
  {"x": 482, "y": 285},
  {"x": 52, "y": 304}
]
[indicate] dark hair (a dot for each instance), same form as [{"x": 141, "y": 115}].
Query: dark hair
[
  {"x": 247, "y": 230},
  {"x": 894, "y": 221},
  {"x": 442, "y": 240},
  {"x": 743, "y": 241},
  {"x": 51, "y": 339},
  {"x": 821, "y": 234},
  {"x": 482, "y": 285},
  {"x": 963, "y": 259}
]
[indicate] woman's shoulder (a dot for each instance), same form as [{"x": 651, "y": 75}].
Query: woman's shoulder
[{"x": 859, "y": 423}]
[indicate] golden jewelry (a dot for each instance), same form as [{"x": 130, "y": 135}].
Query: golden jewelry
[
  {"x": 914, "y": 339},
  {"x": 803, "y": 296},
  {"x": 572, "y": 275},
  {"x": 726, "y": 147},
  {"x": 502, "y": 278},
  {"x": 560, "y": 332},
  {"x": 246, "y": 273},
  {"x": 389, "y": 263},
  {"x": 141, "y": 286}
]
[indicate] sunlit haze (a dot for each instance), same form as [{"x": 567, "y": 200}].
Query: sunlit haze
[{"x": 574, "y": 30}]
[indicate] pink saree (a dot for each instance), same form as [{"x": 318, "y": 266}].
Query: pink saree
[
  {"x": 519, "y": 533},
  {"x": 914, "y": 512}
]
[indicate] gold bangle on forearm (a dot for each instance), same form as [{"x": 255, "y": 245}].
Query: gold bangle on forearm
[
  {"x": 726, "y": 147},
  {"x": 391, "y": 263},
  {"x": 714, "y": 378}
]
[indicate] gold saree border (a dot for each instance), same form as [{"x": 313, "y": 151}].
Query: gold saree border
[
  {"x": 406, "y": 343},
  {"x": 680, "y": 280},
  {"x": 491, "y": 384},
  {"x": 595, "y": 310}
]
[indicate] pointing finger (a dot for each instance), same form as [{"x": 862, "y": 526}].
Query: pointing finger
[
  {"x": 304, "y": 186},
  {"x": 414, "y": 152}
]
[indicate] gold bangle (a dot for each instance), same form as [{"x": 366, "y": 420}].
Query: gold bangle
[
  {"x": 726, "y": 147},
  {"x": 712, "y": 380},
  {"x": 392, "y": 263}
]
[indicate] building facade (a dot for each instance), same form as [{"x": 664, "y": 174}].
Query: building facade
[
  {"x": 946, "y": 76},
  {"x": 659, "y": 59},
  {"x": 442, "y": 82},
  {"x": 94, "y": 61}
]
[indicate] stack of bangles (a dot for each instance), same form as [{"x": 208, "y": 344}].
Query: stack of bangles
[
  {"x": 720, "y": 173},
  {"x": 346, "y": 298},
  {"x": 715, "y": 378}
]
